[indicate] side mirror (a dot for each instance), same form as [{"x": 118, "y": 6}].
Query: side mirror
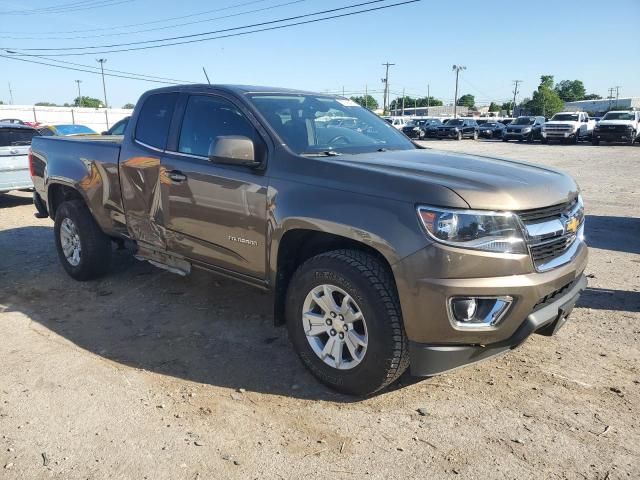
[{"x": 233, "y": 150}]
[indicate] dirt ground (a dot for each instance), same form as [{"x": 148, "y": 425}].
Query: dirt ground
[{"x": 147, "y": 375}]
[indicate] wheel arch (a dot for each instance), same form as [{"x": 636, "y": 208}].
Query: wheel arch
[{"x": 298, "y": 244}]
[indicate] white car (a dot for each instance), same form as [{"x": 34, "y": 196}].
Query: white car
[
  {"x": 565, "y": 126},
  {"x": 398, "y": 122},
  {"x": 618, "y": 126},
  {"x": 15, "y": 141}
]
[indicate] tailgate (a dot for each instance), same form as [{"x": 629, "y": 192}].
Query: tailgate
[{"x": 14, "y": 160}]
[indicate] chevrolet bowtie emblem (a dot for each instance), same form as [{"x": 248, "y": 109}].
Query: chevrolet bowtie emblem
[{"x": 572, "y": 225}]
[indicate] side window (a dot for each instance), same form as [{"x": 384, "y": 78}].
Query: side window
[
  {"x": 155, "y": 118},
  {"x": 208, "y": 117}
]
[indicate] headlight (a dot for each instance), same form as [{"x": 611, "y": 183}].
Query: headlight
[
  {"x": 478, "y": 230},
  {"x": 526, "y": 129}
]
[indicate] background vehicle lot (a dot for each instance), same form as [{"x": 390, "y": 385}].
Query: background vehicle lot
[{"x": 143, "y": 379}]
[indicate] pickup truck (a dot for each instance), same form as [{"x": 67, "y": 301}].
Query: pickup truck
[
  {"x": 618, "y": 126},
  {"x": 378, "y": 253},
  {"x": 568, "y": 126}
]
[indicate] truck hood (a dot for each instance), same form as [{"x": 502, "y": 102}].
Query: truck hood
[
  {"x": 484, "y": 183},
  {"x": 561, "y": 122},
  {"x": 616, "y": 122}
]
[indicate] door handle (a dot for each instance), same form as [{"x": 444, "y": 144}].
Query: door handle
[{"x": 175, "y": 175}]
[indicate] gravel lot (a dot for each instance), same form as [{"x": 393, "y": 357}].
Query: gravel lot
[{"x": 149, "y": 375}]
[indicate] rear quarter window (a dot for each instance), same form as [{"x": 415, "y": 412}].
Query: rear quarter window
[
  {"x": 155, "y": 119},
  {"x": 13, "y": 137}
]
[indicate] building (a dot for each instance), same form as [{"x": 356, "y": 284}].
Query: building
[
  {"x": 440, "y": 111},
  {"x": 599, "y": 107}
]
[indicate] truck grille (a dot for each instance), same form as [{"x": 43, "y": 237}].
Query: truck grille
[
  {"x": 551, "y": 231},
  {"x": 558, "y": 128}
]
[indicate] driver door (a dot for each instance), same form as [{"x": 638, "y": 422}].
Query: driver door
[{"x": 214, "y": 213}]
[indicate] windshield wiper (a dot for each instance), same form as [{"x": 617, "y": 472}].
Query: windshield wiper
[{"x": 327, "y": 153}]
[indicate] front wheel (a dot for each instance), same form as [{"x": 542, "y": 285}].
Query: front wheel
[
  {"x": 475, "y": 135},
  {"x": 84, "y": 250},
  {"x": 595, "y": 142},
  {"x": 345, "y": 323},
  {"x": 544, "y": 140},
  {"x": 632, "y": 138},
  {"x": 459, "y": 136}
]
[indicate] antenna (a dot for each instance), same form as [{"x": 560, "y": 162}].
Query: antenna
[{"x": 206, "y": 76}]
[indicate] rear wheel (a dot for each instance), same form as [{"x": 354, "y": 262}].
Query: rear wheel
[
  {"x": 344, "y": 321},
  {"x": 84, "y": 250}
]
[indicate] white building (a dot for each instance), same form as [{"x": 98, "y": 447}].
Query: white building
[{"x": 603, "y": 105}]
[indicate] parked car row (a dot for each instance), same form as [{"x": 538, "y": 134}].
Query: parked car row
[{"x": 564, "y": 127}]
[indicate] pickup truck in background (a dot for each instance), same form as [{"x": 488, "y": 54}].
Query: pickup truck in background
[
  {"x": 379, "y": 254},
  {"x": 618, "y": 126},
  {"x": 568, "y": 126}
]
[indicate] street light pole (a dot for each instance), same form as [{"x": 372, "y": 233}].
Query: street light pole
[
  {"x": 385, "y": 80},
  {"x": 79, "y": 95},
  {"x": 102, "y": 61},
  {"x": 456, "y": 68}
]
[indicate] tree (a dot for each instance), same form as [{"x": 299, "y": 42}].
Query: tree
[
  {"x": 87, "y": 102},
  {"x": 467, "y": 100},
  {"x": 507, "y": 106},
  {"x": 366, "y": 101},
  {"x": 45, "y": 104},
  {"x": 410, "y": 102},
  {"x": 545, "y": 100},
  {"x": 592, "y": 96},
  {"x": 129, "y": 106},
  {"x": 571, "y": 90},
  {"x": 494, "y": 107}
]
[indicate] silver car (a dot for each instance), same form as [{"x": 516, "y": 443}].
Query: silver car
[{"x": 15, "y": 141}]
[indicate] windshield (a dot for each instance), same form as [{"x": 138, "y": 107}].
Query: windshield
[
  {"x": 454, "y": 123},
  {"x": 619, "y": 116},
  {"x": 73, "y": 130},
  {"x": 491, "y": 125},
  {"x": 306, "y": 123},
  {"x": 566, "y": 117},
  {"x": 13, "y": 137},
  {"x": 524, "y": 121}
]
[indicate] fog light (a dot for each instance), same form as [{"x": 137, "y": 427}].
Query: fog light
[
  {"x": 477, "y": 313},
  {"x": 464, "y": 309}
]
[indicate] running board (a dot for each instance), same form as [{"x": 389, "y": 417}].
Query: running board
[{"x": 163, "y": 260}]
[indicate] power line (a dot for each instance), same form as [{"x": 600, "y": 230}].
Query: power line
[
  {"x": 76, "y": 6},
  {"x": 277, "y": 27},
  {"x": 152, "y": 77},
  {"x": 153, "y": 21},
  {"x": 246, "y": 12},
  {"x": 193, "y": 35},
  {"x": 86, "y": 71}
]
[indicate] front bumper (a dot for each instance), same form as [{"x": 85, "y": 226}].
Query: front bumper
[
  {"x": 447, "y": 133},
  {"x": 516, "y": 135},
  {"x": 427, "y": 360},
  {"x": 613, "y": 135},
  {"x": 559, "y": 135}
]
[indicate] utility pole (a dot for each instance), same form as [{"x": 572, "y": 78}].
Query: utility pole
[
  {"x": 617, "y": 87},
  {"x": 428, "y": 97},
  {"x": 385, "y": 80},
  {"x": 403, "y": 102},
  {"x": 366, "y": 96},
  {"x": 456, "y": 68},
  {"x": 10, "y": 93},
  {"x": 79, "y": 95},
  {"x": 102, "y": 61},
  {"x": 610, "y": 96},
  {"x": 515, "y": 94}
]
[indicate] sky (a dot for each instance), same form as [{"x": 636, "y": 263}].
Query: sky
[{"x": 498, "y": 42}]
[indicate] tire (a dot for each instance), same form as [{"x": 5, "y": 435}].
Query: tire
[
  {"x": 475, "y": 136},
  {"x": 370, "y": 286},
  {"x": 632, "y": 139},
  {"x": 78, "y": 225},
  {"x": 544, "y": 140},
  {"x": 595, "y": 142},
  {"x": 505, "y": 139},
  {"x": 459, "y": 136},
  {"x": 576, "y": 139},
  {"x": 530, "y": 138}
]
